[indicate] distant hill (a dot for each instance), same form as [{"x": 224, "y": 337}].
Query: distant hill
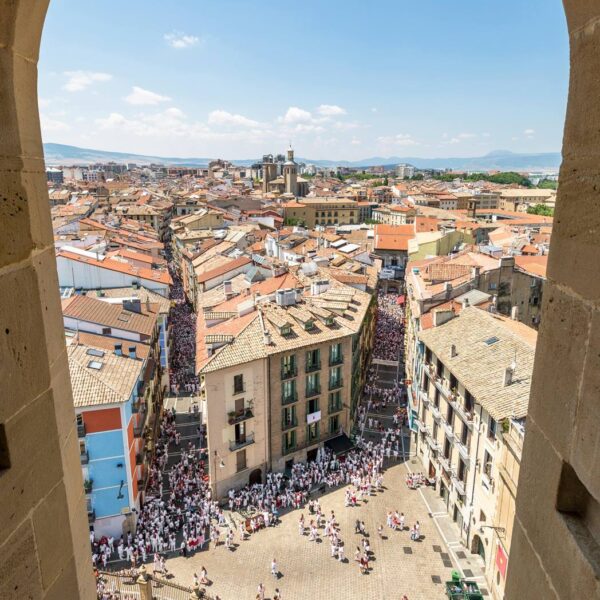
[{"x": 499, "y": 160}]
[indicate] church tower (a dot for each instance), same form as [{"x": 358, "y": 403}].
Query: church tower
[{"x": 290, "y": 174}]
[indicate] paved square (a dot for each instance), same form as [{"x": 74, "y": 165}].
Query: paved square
[{"x": 307, "y": 569}]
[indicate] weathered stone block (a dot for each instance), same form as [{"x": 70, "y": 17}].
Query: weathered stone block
[{"x": 52, "y": 535}]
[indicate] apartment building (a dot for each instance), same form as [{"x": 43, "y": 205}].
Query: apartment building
[
  {"x": 519, "y": 199},
  {"x": 322, "y": 211},
  {"x": 280, "y": 374},
  {"x": 114, "y": 381},
  {"x": 395, "y": 214},
  {"x": 470, "y": 391}
]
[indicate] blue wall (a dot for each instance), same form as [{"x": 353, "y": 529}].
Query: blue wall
[{"x": 106, "y": 451}]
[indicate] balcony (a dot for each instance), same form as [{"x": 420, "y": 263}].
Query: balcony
[
  {"x": 335, "y": 407},
  {"x": 288, "y": 449},
  {"x": 289, "y": 423},
  {"x": 459, "y": 486},
  {"x": 336, "y": 359},
  {"x": 84, "y": 457},
  {"x": 289, "y": 372},
  {"x": 139, "y": 459},
  {"x": 433, "y": 444},
  {"x": 241, "y": 442},
  {"x": 445, "y": 462},
  {"x": 422, "y": 427},
  {"x": 313, "y": 391},
  {"x": 289, "y": 398},
  {"x": 80, "y": 430},
  {"x": 91, "y": 516},
  {"x": 88, "y": 484},
  {"x": 435, "y": 411},
  {"x": 464, "y": 453},
  {"x": 449, "y": 431},
  {"x": 313, "y": 366},
  {"x": 239, "y": 416},
  {"x": 424, "y": 398},
  {"x": 336, "y": 383},
  {"x": 138, "y": 429},
  {"x": 458, "y": 405}
]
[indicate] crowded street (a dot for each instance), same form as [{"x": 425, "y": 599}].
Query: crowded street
[{"x": 356, "y": 508}]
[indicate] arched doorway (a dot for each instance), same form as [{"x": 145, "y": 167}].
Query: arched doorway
[
  {"x": 477, "y": 547},
  {"x": 255, "y": 477}
]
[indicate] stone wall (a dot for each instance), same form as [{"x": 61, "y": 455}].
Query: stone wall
[
  {"x": 44, "y": 546},
  {"x": 556, "y": 549}
]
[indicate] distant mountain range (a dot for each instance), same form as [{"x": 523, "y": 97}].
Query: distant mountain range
[{"x": 499, "y": 160}]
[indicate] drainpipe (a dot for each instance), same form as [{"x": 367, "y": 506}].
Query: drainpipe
[
  {"x": 474, "y": 470},
  {"x": 268, "y": 416}
]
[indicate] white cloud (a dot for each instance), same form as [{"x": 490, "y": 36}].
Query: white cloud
[
  {"x": 514, "y": 138},
  {"x": 179, "y": 40},
  {"x": 296, "y": 115},
  {"x": 373, "y": 110},
  {"x": 331, "y": 110},
  {"x": 141, "y": 97},
  {"x": 355, "y": 142},
  {"x": 77, "y": 81},
  {"x": 486, "y": 134},
  {"x": 50, "y": 125},
  {"x": 529, "y": 131},
  {"x": 222, "y": 117},
  {"x": 400, "y": 139}
]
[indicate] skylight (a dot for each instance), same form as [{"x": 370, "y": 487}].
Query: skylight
[
  {"x": 491, "y": 340},
  {"x": 95, "y": 364},
  {"x": 95, "y": 352}
]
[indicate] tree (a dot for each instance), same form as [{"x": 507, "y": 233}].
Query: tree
[
  {"x": 548, "y": 184},
  {"x": 540, "y": 209}
]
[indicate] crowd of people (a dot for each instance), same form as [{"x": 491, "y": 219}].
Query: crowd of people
[
  {"x": 182, "y": 319},
  {"x": 180, "y": 516},
  {"x": 390, "y": 326}
]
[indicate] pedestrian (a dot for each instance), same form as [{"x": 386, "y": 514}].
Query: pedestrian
[{"x": 274, "y": 569}]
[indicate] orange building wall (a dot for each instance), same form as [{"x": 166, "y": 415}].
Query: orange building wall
[{"x": 102, "y": 420}]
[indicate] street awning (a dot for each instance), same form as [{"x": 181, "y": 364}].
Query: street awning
[
  {"x": 401, "y": 299},
  {"x": 340, "y": 444}
]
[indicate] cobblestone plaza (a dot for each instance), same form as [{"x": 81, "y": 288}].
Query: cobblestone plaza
[{"x": 399, "y": 566}]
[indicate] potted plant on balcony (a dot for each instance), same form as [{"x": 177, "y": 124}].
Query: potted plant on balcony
[
  {"x": 87, "y": 485},
  {"x": 231, "y": 414}
]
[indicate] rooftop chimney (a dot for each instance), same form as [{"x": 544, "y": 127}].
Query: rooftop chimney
[
  {"x": 465, "y": 303},
  {"x": 442, "y": 316},
  {"x": 132, "y": 352},
  {"x": 119, "y": 349},
  {"x": 453, "y": 351},
  {"x": 508, "y": 376},
  {"x": 514, "y": 313},
  {"x": 133, "y": 305}
]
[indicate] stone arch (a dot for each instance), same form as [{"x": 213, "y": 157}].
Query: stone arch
[
  {"x": 255, "y": 477},
  {"x": 46, "y": 537},
  {"x": 477, "y": 547}
]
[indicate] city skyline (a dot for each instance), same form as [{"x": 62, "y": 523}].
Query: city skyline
[{"x": 425, "y": 80}]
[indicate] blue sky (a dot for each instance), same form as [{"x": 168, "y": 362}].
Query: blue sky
[{"x": 339, "y": 79}]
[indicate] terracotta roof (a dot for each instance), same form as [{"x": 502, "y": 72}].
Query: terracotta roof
[
  {"x": 159, "y": 276},
  {"x": 222, "y": 269},
  {"x": 84, "y": 308},
  {"x": 534, "y": 265}
]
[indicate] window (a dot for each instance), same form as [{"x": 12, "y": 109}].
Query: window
[
  {"x": 487, "y": 464},
  {"x": 447, "y": 449},
  {"x": 469, "y": 401},
  {"x": 313, "y": 360},
  {"x": 240, "y": 460},
  {"x": 288, "y": 418},
  {"x": 288, "y": 391},
  {"x": 450, "y": 415},
  {"x": 312, "y": 406},
  {"x": 335, "y": 377},
  {"x": 436, "y": 398},
  {"x": 335, "y": 354},
  {"x": 95, "y": 352},
  {"x": 313, "y": 384},
  {"x": 335, "y": 402},
  {"x": 312, "y": 432},
  {"x": 435, "y": 431},
  {"x": 464, "y": 437},
  {"x": 462, "y": 471},
  {"x": 492, "y": 429},
  {"x": 289, "y": 440},
  {"x": 288, "y": 366},
  {"x": 492, "y": 286},
  {"x": 94, "y": 364},
  {"x": 334, "y": 424},
  {"x": 238, "y": 384}
]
